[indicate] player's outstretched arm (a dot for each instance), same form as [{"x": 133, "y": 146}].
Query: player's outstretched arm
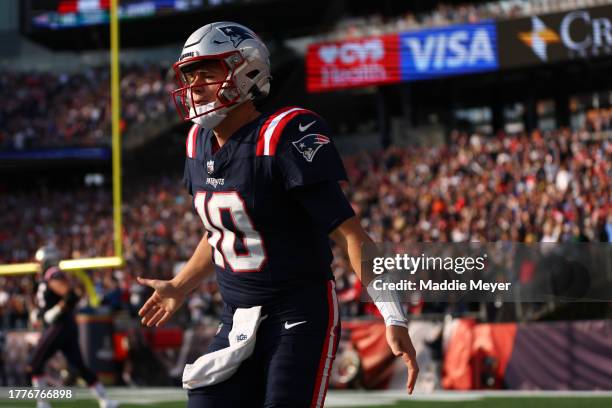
[
  {"x": 352, "y": 237},
  {"x": 169, "y": 295}
]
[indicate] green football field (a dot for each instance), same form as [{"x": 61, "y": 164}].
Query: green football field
[
  {"x": 495, "y": 402},
  {"x": 175, "y": 398}
]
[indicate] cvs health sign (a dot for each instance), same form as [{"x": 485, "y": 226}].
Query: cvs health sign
[
  {"x": 451, "y": 50},
  {"x": 352, "y": 63}
]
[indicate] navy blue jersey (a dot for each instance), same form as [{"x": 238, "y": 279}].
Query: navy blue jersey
[{"x": 268, "y": 199}]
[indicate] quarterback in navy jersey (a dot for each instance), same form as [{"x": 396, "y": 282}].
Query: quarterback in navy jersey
[
  {"x": 266, "y": 187},
  {"x": 269, "y": 234}
]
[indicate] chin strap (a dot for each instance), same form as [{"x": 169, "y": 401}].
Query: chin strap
[
  {"x": 209, "y": 120},
  {"x": 212, "y": 119}
]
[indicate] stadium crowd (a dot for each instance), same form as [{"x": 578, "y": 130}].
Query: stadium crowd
[
  {"x": 445, "y": 14},
  {"x": 44, "y": 109},
  {"x": 538, "y": 187}
]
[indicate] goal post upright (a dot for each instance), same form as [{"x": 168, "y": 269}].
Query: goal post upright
[
  {"x": 115, "y": 261},
  {"x": 116, "y": 131}
]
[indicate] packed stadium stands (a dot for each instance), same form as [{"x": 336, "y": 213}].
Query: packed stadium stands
[
  {"x": 45, "y": 109},
  {"x": 538, "y": 187},
  {"x": 443, "y": 14},
  {"x": 491, "y": 127}
]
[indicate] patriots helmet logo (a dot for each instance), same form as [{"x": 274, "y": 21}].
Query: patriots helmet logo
[
  {"x": 310, "y": 144},
  {"x": 235, "y": 34}
]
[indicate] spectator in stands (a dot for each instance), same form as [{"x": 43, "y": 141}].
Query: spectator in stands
[
  {"x": 539, "y": 187},
  {"x": 43, "y": 109},
  {"x": 446, "y": 14}
]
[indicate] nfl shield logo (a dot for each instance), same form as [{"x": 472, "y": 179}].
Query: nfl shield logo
[{"x": 210, "y": 166}]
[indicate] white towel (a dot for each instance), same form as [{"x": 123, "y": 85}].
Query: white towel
[{"x": 218, "y": 366}]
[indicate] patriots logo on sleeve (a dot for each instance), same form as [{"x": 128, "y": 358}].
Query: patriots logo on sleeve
[
  {"x": 235, "y": 34},
  {"x": 310, "y": 144}
]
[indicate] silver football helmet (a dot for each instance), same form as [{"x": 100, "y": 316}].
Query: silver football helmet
[
  {"x": 48, "y": 256},
  {"x": 244, "y": 59}
]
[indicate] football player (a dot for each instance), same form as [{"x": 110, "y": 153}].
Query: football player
[
  {"x": 56, "y": 301},
  {"x": 266, "y": 188}
]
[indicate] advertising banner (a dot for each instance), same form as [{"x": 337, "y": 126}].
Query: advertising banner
[
  {"x": 460, "y": 49},
  {"x": 520, "y": 356},
  {"x": 352, "y": 63},
  {"x": 408, "y": 56},
  {"x": 571, "y": 35},
  {"x": 452, "y": 50}
]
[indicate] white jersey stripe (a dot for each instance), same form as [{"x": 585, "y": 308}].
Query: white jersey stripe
[
  {"x": 270, "y": 130},
  {"x": 190, "y": 141},
  {"x": 330, "y": 349}
]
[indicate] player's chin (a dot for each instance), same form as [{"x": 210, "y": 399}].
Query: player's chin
[{"x": 201, "y": 102}]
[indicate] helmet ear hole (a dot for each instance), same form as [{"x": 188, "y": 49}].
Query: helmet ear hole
[
  {"x": 252, "y": 74},
  {"x": 229, "y": 94}
]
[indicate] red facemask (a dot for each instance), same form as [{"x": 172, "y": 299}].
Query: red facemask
[{"x": 226, "y": 93}]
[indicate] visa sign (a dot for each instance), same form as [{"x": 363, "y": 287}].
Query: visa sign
[{"x": 446, "y": 51}]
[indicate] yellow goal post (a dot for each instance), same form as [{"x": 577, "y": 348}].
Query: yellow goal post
[{"x": 77, "y": 266}]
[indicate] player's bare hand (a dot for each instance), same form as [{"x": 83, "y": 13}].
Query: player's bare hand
[
  {"x": 401, "y": 346},
  {"x": 162, "y": 304}
]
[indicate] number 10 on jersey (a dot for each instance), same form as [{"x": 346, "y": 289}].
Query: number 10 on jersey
[{"x": 250, "y": 256}]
